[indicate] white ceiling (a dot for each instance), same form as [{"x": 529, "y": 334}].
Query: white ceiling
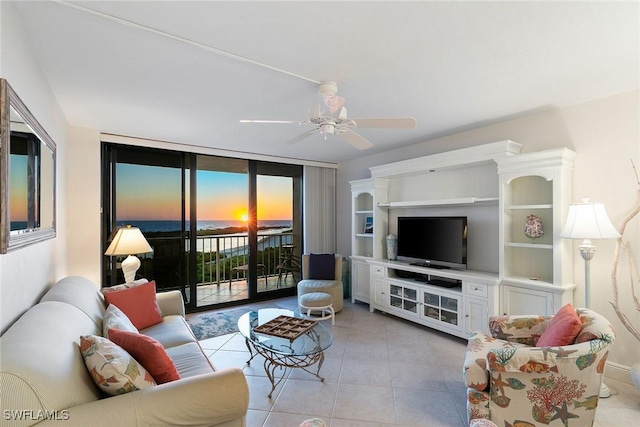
[{"x": 451, "y": 65}]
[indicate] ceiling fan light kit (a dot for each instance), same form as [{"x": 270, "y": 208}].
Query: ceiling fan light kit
[{"x": 329, "y": 117}]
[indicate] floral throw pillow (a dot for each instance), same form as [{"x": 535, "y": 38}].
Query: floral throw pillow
[
  {"x": 114, "y": 318},
  {"x": 112, "y": 369}
]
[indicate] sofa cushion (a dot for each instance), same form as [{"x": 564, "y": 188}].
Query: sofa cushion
[
  {"x": 171, "y": 332},
  {"x": 322, "y": 266},
  {"x": 190, "y": 360},
  {"x": 138, "y": 303},
  {"x": 562, "y": 329},
  {"x": 148, "y": 352},
  {"x": 113, "y": 369},
  {"x": 116, "y": 319}
]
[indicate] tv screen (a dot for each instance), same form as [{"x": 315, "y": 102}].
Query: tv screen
[{"x": 433, "y": 241}]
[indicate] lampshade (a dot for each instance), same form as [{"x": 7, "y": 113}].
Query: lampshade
[
  {"x": 588, "y": 221},
  {"x": 128, "y": 241}
]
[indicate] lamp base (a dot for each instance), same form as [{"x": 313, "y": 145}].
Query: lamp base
[
  {"x": 605, "y": 391},
  {"x": 130, "y": 265}
]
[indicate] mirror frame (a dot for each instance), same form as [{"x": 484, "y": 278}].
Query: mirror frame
[{"x": 9, "y": 241}]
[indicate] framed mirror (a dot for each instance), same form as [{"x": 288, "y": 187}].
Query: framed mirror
[{"x": 27, "y": 175}]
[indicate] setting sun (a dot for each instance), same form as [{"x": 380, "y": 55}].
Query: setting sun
[{"x": 244, "y": 217}]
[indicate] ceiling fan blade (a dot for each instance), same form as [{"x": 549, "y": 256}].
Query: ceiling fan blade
[
  {"x": 302, "y": 136},
  {"x": 271, "y": 121},
  {"x": 389, "y": 122},
  {"x": 356, "y": 140}
]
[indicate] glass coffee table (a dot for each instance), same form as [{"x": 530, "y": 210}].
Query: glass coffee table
[{"x": 281, "y": 353}]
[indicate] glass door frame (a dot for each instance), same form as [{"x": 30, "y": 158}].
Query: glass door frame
[{"x": 188, "y": 165}]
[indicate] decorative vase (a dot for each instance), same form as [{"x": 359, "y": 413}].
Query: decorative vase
[
  {"x": 533, "y": 228},
  {"x": 392, "y": 247}
]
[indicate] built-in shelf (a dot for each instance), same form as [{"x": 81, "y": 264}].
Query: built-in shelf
[
  {"x": 528, "y": 245},
  {"x": 441, "y": 202},
  {"x": 364, "y": 212},
  {"x": 370, "y": 235},
  {"x": 528, "y": 207}
]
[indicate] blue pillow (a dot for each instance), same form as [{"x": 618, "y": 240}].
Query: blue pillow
[{"x": 322, "y": 266}]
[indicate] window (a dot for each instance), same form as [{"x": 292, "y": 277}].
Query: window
[{"x": 218, "y": 226}]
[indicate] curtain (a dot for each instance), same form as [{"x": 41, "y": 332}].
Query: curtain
[{"x": 319, "y": 211}]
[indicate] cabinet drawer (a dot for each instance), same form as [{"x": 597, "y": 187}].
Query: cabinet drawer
[
  {"x": 476, "y": 289},
  {"x": 377, "y": 270}
]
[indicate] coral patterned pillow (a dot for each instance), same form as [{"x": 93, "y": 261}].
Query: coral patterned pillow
[
  {"x": 112, "y": 368},
  {"x": 562, "y": 330},
  {"x": 149, "y": 352},
  {"x": 138, "y": 303}
]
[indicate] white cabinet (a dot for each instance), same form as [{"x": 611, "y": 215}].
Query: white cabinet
[
  {"x": 498, "y": 189},
  {"x": 538, "y": 186},
  {"x": 463, "y": 306},
  {"x": 476, "y": 315},
  {"x": 379, "y": 294},
  {"x": 479, "y": 304},
  {"x": 360, "y": 279},
  {"x": 368, "y": 232}
]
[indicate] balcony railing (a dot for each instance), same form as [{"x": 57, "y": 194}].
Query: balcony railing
[{"x": 221, "y": 259}]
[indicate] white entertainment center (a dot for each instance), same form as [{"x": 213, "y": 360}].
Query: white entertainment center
[{"x": 497, "y": 188}]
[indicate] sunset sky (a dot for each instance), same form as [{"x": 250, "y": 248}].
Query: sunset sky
[
  {"x": 153, "y": 193},
  {"x": 18, "y": 204}
]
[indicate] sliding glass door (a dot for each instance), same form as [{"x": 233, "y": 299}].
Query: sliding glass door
[
  {"x": 278, "y": 218},
  {"x": 223, "y": 230},
  {"x": 221, "y": 214}
]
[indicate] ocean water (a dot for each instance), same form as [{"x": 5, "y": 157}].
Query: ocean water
[{"x": 165, "y": 226}]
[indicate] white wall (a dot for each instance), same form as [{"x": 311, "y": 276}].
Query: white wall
[
  {"x": 25, "y": 274},
  {"x": 605, "y": 134},
  {"x": 83, "y": 198}
]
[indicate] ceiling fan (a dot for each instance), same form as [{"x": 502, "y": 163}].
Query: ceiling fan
[{"x": 329, "y": 117}]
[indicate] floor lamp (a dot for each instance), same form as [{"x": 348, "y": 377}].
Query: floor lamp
[
  {"x": 129, "y": 241},
  {"x": 589, "y": 221}
]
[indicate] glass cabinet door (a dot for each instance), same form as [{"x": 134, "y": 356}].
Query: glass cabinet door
[
  {"x": 403, "y": 298},
  {"x": 441, "y": 308}
]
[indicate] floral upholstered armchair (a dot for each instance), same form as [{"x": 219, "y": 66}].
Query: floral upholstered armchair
[{"x": 512, "y": 382}]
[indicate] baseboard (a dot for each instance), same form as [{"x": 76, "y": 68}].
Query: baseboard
[{"x": 618, "y": 372}]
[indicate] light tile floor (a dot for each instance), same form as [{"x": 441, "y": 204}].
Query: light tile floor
[
  {"x": 380, "y": 371},
  {"x": 215, "y": 294}
]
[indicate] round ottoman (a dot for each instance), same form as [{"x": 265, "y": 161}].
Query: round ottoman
[
  {"x": 331, "y": 287},
  {"x": 318, "y": 301}
]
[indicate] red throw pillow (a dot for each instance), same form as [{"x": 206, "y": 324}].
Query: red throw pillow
[
  {"x": 138, "y": 303},
  {"x": 148, "y": 352},
  {"x": 562, "y": 330}
]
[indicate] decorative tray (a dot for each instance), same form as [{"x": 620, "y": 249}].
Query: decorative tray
[{"x": 285, "y": 327}]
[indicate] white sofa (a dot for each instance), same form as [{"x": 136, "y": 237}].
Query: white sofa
[{"x": 43, "y": 376}]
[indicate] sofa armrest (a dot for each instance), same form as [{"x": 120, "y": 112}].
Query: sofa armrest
[
  {"x": 170, "y": 302},
  {"x": 201, "y": 400},
  {"x": 542, "y": 359},
  {"x": 522, "y": 329},
  {"x": 475, "y": 369}
]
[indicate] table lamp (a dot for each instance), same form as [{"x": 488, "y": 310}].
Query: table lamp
[
  {"x": 589, "y": 221},
  {"x": 129, "y": 241}
]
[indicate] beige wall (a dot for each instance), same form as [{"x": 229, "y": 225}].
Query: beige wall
[
  {"x": 606, "y": 135},
  {"x": 25, "y": 274}
]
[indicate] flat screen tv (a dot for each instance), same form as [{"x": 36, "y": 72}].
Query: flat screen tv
[{"x": 439, "y": 242}]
